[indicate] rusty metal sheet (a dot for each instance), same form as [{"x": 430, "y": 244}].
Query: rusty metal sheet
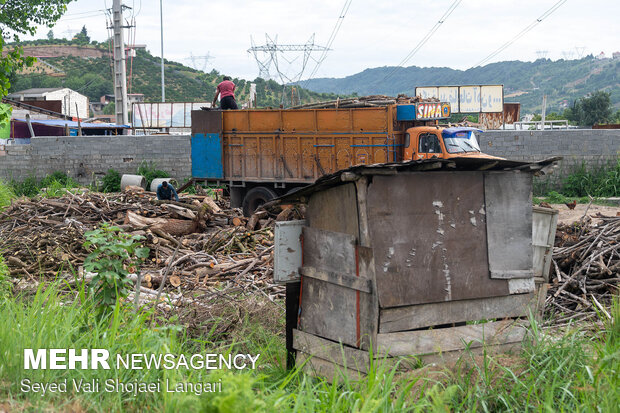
[
  {"x": 428, "y": 233},
  {"x": 512, "y": 113},
  {"x": 206, "y": 121},
  {"x": 491, "y": 120}
]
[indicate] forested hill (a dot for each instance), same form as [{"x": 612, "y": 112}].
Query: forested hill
[
  {"x": 525, "y": 82},
  {"x": 87, "y": 69}
]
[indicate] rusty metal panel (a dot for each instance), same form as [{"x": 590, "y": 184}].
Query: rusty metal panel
[
  {"x": 508, "y": 198},
  {"x": 491, "y": 120},
  {"x": 512, "y": 113},
  {"x": 206, "y": 121},
  {"x": 428, "y": 234}
]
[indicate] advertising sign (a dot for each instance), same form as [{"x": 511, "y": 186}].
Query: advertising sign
[
  {"x": 165, "y": 115},
  {"x": 467, "y": 99}
]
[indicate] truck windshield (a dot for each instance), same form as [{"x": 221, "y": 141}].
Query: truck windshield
[{"x": 464, "y": 141}]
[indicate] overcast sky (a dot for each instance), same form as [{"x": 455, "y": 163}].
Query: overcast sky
[{"x": 373, "y": 32}]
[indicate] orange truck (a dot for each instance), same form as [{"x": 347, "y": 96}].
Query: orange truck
[{"x": 263, "y": 153}]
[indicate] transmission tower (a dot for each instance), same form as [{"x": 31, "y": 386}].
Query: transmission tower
[
  {"x": 271, "y": 54},
  {"x": 541, "y": 54},
  {"x": 580, "y": 50},
  {"x": 568, "y": 54},
  {"x": 199, "y": 62}
]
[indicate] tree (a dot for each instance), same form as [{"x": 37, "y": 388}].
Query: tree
[
  {"x": 82, "y": 36},
  {"x": 50, "y": 35},
  {"x": 592, "y": 109},
  {"x": 22, "y": 17}
]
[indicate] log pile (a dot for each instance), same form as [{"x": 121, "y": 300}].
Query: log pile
[
  {"x": 197, "y": 247},
  {"x": 364, "y": 102},
  {"x": 585, "y": 271}
]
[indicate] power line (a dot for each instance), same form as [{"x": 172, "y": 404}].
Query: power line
[
  {"x": 522, "y": 32},
  {"x": 332, "y": 37},
  {"x": 425, "y": 39}
]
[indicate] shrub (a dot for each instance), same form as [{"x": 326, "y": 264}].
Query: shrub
[
  {"x": 115, "y": 255},
  {"x": 149, "y": 171},
  {"x": 111, "y": 182}
]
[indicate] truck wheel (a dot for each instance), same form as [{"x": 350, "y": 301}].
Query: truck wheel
[{"x": 255, "y": 198}]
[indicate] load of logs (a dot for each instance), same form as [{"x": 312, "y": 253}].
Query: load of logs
[
  {"x": 198, "y": 247},
  {"x": 364, "y": 102},
  {"x": 585, "y": 271}
]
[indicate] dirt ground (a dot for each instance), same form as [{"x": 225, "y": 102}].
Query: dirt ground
[{"x": 568, "y": 216}]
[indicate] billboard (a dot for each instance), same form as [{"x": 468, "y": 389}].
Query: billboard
[
  {"x": 467, "y": 99},
  {"x": 164, "y": 115}
]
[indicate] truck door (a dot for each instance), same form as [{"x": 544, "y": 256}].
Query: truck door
[{"x": 429, "y": 146}]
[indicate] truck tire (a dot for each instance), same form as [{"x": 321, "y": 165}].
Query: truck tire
[{"x": 255, "y": 198}]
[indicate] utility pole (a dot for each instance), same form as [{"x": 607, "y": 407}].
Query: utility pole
[
  {"x": 120, "y": 75},
  {"x": 161, "y": 22}
]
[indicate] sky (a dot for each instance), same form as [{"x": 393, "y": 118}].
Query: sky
[{"x": 373, "y": 33}]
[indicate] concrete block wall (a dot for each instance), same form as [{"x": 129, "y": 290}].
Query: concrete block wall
[
  {"x": 593, "y": 147},
  {"x": 85, "y": 158}
]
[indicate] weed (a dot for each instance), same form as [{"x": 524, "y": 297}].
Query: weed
[
  {"x": 115, "y": 254},
  {"x": 6, "y": 194},
  {"x": 111, "y": 182},
  {"x": 149, "y": 171},
  {"x": 600, "y": 182}
]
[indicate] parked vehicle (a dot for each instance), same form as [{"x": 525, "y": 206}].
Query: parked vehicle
[{"x": 260, "y": 154}]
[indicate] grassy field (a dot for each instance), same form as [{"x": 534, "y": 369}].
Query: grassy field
[{"x": 574, "y": 370}]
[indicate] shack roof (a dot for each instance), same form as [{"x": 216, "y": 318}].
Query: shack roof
[
  {"x": 61, "y": 123},
  {"x": 424, "y": 165}
]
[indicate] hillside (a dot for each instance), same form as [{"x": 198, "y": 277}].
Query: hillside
[
  {"x": 87, "y": 68},
  {"x": 524, "y": 82}
]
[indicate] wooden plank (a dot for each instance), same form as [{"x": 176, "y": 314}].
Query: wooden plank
[
  {"x": 428, "y": 315},
  {"x": 428, "y": 234},
  {"x": 369, "y": 304},
  {"x": 338, "y": 278},
  {"x": 318, "y": 367},
  {"x": 330, "y": 351},
  {"x": 452, "y": 357},
  {"x": 450, "y": 339},
  {"x": 508, "y": 198},
  {"x": 334, "y": 209},
  {"x": 329, "y": 250}
]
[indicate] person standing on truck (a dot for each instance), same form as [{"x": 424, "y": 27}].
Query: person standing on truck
[
  {"x": 165, "y": 191},
  {"x": 226, "y": 92}
]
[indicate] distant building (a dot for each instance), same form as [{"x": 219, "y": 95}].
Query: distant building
[
  {"x": 72, "y": 103},
  {"x": 601, "y": 56},
  {"x": 135, "y": 98},
  {"x": 616, "y": 55}
]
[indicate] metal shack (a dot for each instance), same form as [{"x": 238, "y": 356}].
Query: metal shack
[{"x": 401, "y": 258}]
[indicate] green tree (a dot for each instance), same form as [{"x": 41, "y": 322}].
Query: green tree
[
  {"x": 592, "y": 109},
  {"x": 50, "y": 35},
  {"x": 22, "y": 17},
  {"x": 82, "y": 36}
]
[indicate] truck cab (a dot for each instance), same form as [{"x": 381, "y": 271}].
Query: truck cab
[{"x": 426, "y": 142}]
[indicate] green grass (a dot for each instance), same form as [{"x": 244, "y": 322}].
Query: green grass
[
  {"x": 6, "y": 194},
  {"x": 575, "y": 371},
  {"x": 598, "y": 182},
  {"x": 53, "y": 185}
]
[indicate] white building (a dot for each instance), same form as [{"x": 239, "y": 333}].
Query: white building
[{"x": 73, "y": 103}]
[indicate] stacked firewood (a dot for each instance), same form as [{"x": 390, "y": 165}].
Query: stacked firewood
[
  {"x": 364, "y": 101},
  {"x": 585, "y": 271},
  {"x": 197, "y": 246}
]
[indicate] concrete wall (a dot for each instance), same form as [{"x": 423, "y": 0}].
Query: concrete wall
[
  {"x": 172, "y": 153},
  {"x": 594, "y": 147},
  {"x": 95, "y": 154}
]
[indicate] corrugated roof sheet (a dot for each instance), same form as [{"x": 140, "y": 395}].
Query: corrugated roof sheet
[
  {"x": 72, "y": 124},
  {"x": 425, "y": 165},
  {"x": 36, "y": 91}
]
